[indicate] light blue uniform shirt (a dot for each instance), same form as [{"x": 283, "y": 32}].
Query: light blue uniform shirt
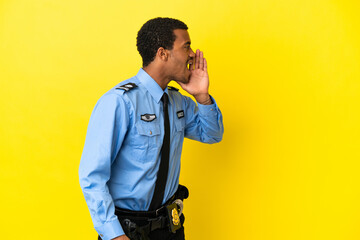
[{"x": 121, "y": 156}]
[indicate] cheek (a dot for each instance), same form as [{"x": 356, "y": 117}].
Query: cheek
[
  {"x": 180, "y": 58},
  {"x": 178, "y": 64}
]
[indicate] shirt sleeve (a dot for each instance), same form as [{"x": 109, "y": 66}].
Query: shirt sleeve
[
  {"x": 203, "y": 122},
  {"x": 105, "y": 134}
]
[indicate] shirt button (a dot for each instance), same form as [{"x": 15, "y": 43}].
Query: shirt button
[
  {"x": 212, "y": 109},
  {"x": 150, "y": 132},
  {"x": 101, "y": 235}
]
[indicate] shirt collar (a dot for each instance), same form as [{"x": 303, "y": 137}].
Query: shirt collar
[{"x": 151, "y": 85}]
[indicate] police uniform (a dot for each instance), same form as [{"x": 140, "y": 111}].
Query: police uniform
[{"x": 122, "y": 151}]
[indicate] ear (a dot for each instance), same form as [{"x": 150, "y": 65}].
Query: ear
[{"x": 162, "y": 54}]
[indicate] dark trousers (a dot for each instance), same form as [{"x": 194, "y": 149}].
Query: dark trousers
[{"x": 165, "y": 234}]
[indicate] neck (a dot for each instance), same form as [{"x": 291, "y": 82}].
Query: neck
[{"x": 158, "y": 74}]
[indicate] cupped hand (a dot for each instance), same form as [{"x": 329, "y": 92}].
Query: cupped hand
[{"x": 198, "y": 84}]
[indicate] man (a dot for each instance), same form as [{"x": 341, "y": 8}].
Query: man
[{"x": 130, "y": 166}]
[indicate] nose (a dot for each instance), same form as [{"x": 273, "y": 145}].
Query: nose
[{"x": 191, "y": 54}]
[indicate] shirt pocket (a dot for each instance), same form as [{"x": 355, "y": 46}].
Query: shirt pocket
[
  {"x": 148, "y": 139},
  {"x": 179, "y": 125}
]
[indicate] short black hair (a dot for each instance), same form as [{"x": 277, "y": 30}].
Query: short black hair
[{"x": 156, "y": 33}]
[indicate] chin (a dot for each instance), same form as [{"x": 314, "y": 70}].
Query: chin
[
  {"x": 187, "y": 77},
  {"x": 184, "y": 79}
]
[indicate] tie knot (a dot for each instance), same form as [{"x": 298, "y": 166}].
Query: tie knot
[{"x": 165, "y": 98}]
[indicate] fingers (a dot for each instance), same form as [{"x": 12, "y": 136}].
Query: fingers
[
  {"x": 197, "y": 59},
  {"x": 200, "y": 62},
  {"x": 201, "y": 65}
]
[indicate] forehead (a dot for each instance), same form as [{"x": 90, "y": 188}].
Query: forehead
[{"x": 182, "y": 36}]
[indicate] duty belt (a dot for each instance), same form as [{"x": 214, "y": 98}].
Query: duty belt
[{"x": 138, "y": 224}]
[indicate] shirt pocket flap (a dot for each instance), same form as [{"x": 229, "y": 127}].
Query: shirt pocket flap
[
  {"x": 179, "y": 124},
  {"x": 147, "y": 128}
]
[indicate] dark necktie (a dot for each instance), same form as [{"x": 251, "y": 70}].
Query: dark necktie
[{"x": 164, "y": 163}]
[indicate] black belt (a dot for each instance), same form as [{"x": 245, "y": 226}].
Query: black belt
[
  {"x": 181, "y": 193},
  {"x": 138, "y": 224},
  {"x": 140, "y": 215},
  {"x": 143, "y": 222}
]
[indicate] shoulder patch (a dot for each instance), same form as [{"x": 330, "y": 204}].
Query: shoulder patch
[
  {"x": 173, "y": 88},
  {"x": 127, "y": 86}
]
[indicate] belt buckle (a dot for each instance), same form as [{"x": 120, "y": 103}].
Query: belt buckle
[{"x": 157, "y": 211}]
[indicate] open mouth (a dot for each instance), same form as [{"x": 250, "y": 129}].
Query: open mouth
[{"x": 189, "y": 65}]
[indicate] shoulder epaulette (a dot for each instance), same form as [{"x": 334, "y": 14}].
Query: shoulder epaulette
[
  {"x": 127, "y": 86},
  {"x": 173, "y": 88}
]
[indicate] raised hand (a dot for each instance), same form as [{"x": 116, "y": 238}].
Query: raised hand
[{"x": 198, "y": 84}]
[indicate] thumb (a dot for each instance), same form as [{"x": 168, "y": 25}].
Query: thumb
[{"x": 182, "y": 85}]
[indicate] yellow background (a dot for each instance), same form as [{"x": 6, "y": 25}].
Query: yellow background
[{"x": 284, "y": 73}]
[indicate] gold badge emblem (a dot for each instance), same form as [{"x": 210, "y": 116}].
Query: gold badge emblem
[{"x": 175, "y": 216}]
